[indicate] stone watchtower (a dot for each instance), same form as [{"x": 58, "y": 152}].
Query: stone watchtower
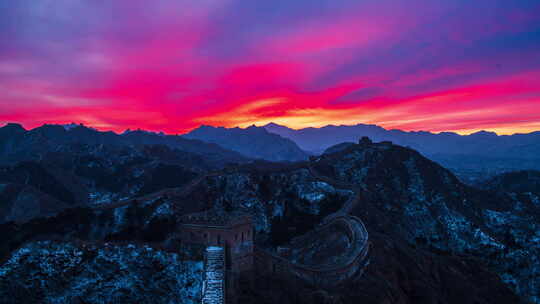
[
  {"x": 230, "y": 233},
  {"x": 365, "y": 141}
]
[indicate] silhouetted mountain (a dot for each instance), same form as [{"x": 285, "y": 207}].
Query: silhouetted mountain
[
  {"x": 18, "y": 144},
  {"x": 408, "y": 195},
  {"x": 433, "y": 239},
  {"x": 78, "y": 272},
  {"x": 480, "y": 143},
  {"x": 10, "y": 129},
  {"x": 254, "y": 142},
  {"x": 53, "y": 167},
  {"x": 316, "y": 140},
  {"x": 474, "y": 156}
]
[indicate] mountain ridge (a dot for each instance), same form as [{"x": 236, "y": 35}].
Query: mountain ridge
[
  {"x": 254, "y": 142},
  {"x": 472, "y": 157},
  {"x": 271, "y": 125},
  {"x": 303, "y": 143},
  {"x": 434, "y": 239},
  {"x": 19, "y": 143}
]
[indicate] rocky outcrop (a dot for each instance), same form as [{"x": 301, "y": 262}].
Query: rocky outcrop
[
  {"x": 409, "y": 197},
  {"x": 75, "y": 272}
]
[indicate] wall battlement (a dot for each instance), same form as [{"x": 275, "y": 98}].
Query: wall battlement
[
  {"x": 218, "y": 219},
  {"x": 231, "y": 231}
]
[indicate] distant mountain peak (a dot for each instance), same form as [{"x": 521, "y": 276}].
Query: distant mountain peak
[
  {"x": 140, "y": 131},
  {"x": 253, "y": 141},
  {"x": 484, "y": 133},
  {"x": 205, "y": 127},
  {"x": 439, "y": 146},
  {"x": 71, "y": 126},
  {"x": 272, "y": 124},
  {"x": 14, "y": 126},
  {"x": 278, "y": 129}
]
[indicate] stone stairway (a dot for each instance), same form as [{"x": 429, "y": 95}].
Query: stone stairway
[{"x": 214, "y": 282}]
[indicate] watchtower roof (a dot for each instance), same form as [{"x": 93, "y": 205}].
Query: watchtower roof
[{"x": 217, "y": 217}]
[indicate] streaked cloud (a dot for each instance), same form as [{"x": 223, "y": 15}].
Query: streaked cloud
[{"x": 172, "y": 65}]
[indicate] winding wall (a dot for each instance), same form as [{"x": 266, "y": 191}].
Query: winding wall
[
  {"x": 270, "y": 262},
  {"x": 326, "y": 275}
]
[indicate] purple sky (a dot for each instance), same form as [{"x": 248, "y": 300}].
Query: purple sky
[{"x": 173, "y": 65}]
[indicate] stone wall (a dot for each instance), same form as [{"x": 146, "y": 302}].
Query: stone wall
[
  {"x": 270, "y": 263},
  {"x": 237, "y": 240}
]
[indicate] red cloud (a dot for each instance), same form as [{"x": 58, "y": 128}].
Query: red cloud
[{"x": 382, "y": 63}]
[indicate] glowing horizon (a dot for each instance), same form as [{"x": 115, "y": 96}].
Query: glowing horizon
[
  {"x": 500, "y": 132},
  {"x": 170, "y": 66}
]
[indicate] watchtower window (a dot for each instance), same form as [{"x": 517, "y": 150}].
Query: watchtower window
[{"x": 219, "y": 239}]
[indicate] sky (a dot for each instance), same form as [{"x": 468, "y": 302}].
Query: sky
[{"x": 172, "y": 65}]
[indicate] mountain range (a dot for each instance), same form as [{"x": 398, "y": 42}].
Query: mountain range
[
  {"x": 433, "y": 239},
  {"x": 53, "y": 167},
  {"x": 473, "y": 158},
  {"x": 17, "y": 143},
  {"x": 253, "y": 142},
  {"x": 470, "y": 156}
]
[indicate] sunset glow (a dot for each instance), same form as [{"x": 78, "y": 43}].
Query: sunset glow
[{"x": 173, "y": 65}]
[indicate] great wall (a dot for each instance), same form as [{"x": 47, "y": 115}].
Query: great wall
[
  {"x": 231, "y": 252},
  {"x": 328, "y": 274},
  {"x": 324, "y": 274}
]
